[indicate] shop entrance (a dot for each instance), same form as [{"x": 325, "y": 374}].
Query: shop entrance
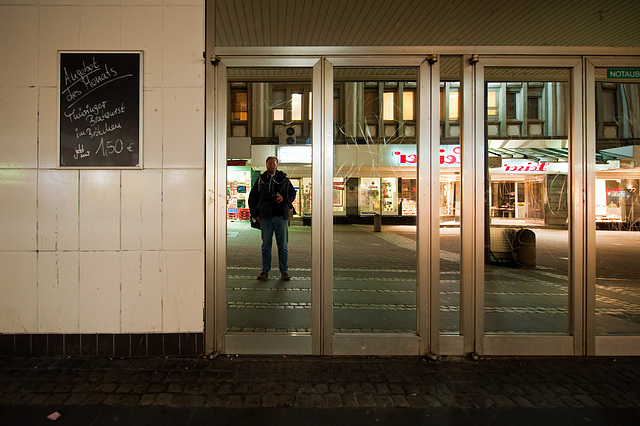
[{"x": 348, "y": 136}]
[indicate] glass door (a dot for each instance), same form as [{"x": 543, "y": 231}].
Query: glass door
[
  {"x": 613, "y": 130},
  {"x": 528, "y": 232},
  {"x": 265, "y": 161},
  {"x": 379, "y": 290}
]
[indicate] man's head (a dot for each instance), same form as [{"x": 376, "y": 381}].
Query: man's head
[{"x": 272, "y": 165}]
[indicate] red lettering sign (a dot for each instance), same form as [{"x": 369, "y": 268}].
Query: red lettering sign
[
  {"x": 529, "y": 167},
  {"x": 449, "y": 159},
  {"x": 406, "y": 159}
]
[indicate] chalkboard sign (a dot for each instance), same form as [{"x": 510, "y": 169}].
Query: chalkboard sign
[{"x": 99, "y": 107}]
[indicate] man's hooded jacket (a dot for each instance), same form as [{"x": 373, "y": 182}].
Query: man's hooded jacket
[{"x": 262, "y": 198}]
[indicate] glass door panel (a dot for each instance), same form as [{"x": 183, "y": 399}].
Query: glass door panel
[
  {"x": 526, "y": 215},
  {"x": 269, "y": 115},
  {"x": 450, "y": 194},
  {"x": 617, "y": 204},
  {"x": 375, "y": 200}
]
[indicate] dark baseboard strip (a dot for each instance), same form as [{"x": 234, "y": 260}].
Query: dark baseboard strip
[{"x": 102, "y": 345}]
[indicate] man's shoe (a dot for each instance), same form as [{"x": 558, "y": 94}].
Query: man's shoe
[
  {"x": 285, "y": 276},
  {"x": 263, "y": 276}
]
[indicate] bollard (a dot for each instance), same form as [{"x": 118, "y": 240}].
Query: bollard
[{"x": 377, "y": 223}]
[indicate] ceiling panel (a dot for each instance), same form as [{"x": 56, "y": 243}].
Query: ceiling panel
[{"x": 255, "y": 23}]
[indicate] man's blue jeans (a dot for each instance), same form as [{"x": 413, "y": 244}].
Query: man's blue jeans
[{"x": 280, "y": 226}]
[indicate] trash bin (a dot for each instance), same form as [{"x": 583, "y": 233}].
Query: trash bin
[
  {"x": 524, "y": 247},
  {"x": 377, "y": 222}
]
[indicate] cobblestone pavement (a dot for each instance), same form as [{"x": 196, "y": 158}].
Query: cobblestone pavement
[{"x": 320, "y": 390}]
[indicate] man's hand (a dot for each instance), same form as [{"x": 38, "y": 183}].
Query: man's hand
[{"x": 279, "y": 198}]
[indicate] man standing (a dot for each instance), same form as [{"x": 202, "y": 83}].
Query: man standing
[{"x": 269, "y": 202}]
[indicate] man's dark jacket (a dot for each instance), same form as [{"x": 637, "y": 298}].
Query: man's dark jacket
[{"x": 262, "y": 198}]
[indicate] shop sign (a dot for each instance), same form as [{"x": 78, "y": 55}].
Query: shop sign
[
  {"x": 519, "y": 166},
  {"x": 449, "y": 156},
  {"x": 294, "y": 154},
  {"x": 614, "y": 73}
]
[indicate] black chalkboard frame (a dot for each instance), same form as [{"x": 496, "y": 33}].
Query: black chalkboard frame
[{"x": 71, "y": 148}]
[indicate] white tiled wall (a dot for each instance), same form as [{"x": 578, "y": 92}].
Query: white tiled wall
[
  {"x": 58, "y": 301},
  {"x": 18, "y": 286},
  {"x": 102, "y": 251}
]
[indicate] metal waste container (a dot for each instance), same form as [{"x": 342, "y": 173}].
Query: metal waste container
[{"x": 524, "y": 247}]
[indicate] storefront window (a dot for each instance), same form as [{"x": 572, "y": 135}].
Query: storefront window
[
  {"x": 527, "y": 210},
  {"x": 374, "y": 201},
  {"x": 275, "y": 103},
  {"x": 450, "y": 161},
  {"x": 617, "y": 204}
]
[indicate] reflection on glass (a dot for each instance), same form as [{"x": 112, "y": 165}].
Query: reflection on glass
[
  {"x": 526, "y": 201},
  {"x": 374, "y": 200},
  {"x": 450, "y": 195},
  {"x": 617, "y": 206},
  {"x": 266, "y": 118}
]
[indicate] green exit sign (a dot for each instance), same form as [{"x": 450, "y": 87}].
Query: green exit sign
[{"x": 623, "y": 73}]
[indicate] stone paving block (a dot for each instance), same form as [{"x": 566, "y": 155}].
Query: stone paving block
[
  {"x": 367, "y": 388},
  {"x": 336, "y": 388},
  {"x": 606, "y": 401},
  {"x": 522, "y": 401},
  {"x": 286, "y": 400},
  {"x": 321, "y": 388},
  {"x": 366, "y": 400},
  {"x": 112, "y": 400},
  {"x": 242, "y": 387},
  {"x": 146, "y": 400},
  {"x": 175, "y": 387},
  {"x": 30, "y": 387},
  {"x": 503, "y": 401},
  {"x": 349, "y": 400},
  {"x": 332, "y": 400},
  {"x": 540, "y": 401},
  {"x": 275, "y": 388},
  {"x": 400, "y": 401},
  {"x": 383, "y": 401},
  {"x": 58, "y": 398},
  {"x": 512, "y": 389},
  {"x": 316, "y": 400},
  {"x": 302, "y": 400},
  {"x": 64, "y": 388},
  {"x": 163, "y": 399},
  {"x": 570, "y": 401},
  {"x": 307, "y": 388},
  {"x": 107, "y": 387},
  {"x": 235, "y": 401},
  {"x": 269, "y": 400},
  {"x": 353, "y": 388},
  {"x": 124, "y": 388},
  {"x": 429, "y": 401},
  {"x": 252, "y": 401},
  {"x": 224, "y": 388},
  {"x": 555, "y": 401},
  {"x": 131, "y": 400},
  {"x": 290, "y": 387},
  {"x": 633, "y": 399},
  {"x": 215, "y": 400},
  {"x": 587, "y": 401},
  {"x": 13, "y": 386},
  {"x": 382, "y": 388}
]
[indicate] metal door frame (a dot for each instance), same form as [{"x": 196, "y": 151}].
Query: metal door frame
[
  {"x": 426, "y": 340},
  {"x": 572, "y": 343},
  {"x": 601, "y": 345},
  {"x": 216, "y": 337}
]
